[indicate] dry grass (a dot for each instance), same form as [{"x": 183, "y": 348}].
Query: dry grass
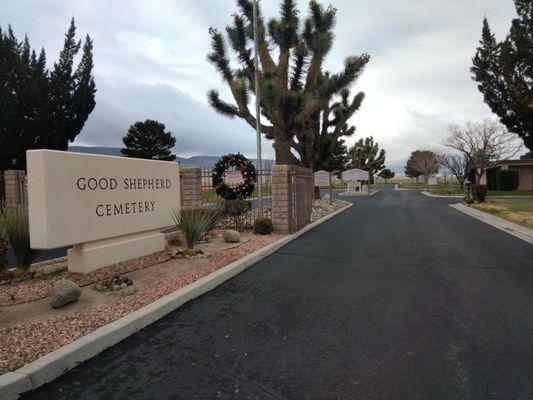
[{"x": 519, "y": 211}]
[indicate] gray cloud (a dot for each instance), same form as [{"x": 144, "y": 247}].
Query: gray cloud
[{"x": 150, "y": 62}]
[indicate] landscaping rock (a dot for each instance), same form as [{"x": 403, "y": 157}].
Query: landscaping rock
[
  {"x": 231, "y": 236},
  {"x": 64, "y": 292}
]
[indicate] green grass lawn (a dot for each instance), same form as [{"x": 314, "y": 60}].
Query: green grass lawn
[
  {"x": 453, "y": 189},
  {"x": 519, "y": 211}
]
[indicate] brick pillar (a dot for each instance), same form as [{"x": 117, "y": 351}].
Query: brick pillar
[
  {"x": 281, "y": 199},
  {"x": 191, "y": 187},
  {"x": 15, "y": 189}
]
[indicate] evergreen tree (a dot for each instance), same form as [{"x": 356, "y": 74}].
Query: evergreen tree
[
  {"x": 504, "y": 72},
  {"x": 297, "y": 95},
  {"x": 149, "y": 140},
  {"x": 410, "y": 170},
  {"x": 39, "y": 109},
  {"x": 386, "y": 174},
  {"x": 366, "y": 155}
]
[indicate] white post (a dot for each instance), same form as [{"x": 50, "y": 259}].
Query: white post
[{"x": 257, "y": 110}]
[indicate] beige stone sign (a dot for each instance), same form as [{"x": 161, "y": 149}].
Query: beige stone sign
[{"x": 109, "y": 208}]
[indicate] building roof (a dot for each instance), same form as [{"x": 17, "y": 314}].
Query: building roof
[{"x": 528, "y": 161}]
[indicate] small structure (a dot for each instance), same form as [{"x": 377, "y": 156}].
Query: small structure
[
  {"x": 354, "y": 178},
  {"x": 525, "y": 169},
  {"x": 355, "y": 175}
]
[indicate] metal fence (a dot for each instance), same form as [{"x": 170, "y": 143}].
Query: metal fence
[
  {"x": 233, "y": 179},
  {"x": 14, "y": 190}
]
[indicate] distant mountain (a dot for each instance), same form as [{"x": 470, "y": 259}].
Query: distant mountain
[
  {"x": 106, "y": 151},
  {"x": 194, "y": 161}
]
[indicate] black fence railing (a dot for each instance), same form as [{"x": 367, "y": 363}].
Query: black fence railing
[{"x": 256, "y": 206}]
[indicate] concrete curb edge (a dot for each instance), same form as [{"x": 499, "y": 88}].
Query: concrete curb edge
[
  {"x": 511, "y": 228},
  {"x": 459, "y": 196},
  {"x": 442, "y": 196},
  {"x": 58, "y": 362},
  {"x": 360, "y": 195}
]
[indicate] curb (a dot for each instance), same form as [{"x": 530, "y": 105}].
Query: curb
[
  {"x": 458, "y": 196},
  {"x": 442, "y": 196},
  {"x": 358, "y": 195},
  {"x": 511, "y": 228},
  {"x": 58, "y": 362}
]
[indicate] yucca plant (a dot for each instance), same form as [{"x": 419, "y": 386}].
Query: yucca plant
[
  {"x": 17, "y": 231},
  {"x": 195, "y": 223}
]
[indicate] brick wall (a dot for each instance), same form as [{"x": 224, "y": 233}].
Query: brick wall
[
  {"x": 281, "y": 199},
  {"x": 191, "y": 187}
]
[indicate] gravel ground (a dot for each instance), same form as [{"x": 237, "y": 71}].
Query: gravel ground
[
  {"x": 321, "y": 207},
  {"x": 30, "y": 340},
  {"x": 36, "y": 289}
]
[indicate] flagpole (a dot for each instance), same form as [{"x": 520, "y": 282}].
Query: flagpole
[{"x": 257, "y": 112}]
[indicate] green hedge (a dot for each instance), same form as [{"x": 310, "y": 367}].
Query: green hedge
[
  {"x": 503, "y": 179},
  {"x": 507, "y": 179}
]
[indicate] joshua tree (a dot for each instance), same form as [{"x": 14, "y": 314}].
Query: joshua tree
[{"x": 298, "y": 98}]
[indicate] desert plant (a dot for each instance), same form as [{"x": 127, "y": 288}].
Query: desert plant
[
  {"x": 195, "y": 223},
  {"x": 263, "y": 226},
  {"x": 17, "y": 231},
  {"x": 479, "y": 193}
]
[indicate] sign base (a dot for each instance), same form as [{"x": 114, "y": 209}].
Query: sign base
[{"x": 87, "y": 257}]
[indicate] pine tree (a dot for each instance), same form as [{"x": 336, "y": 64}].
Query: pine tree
[
  {"x": 39, "y": 109},
  {"x": 411, "y": 172},
  {"x": 366, "y": 155},
  {"x": 296, "y": 92},
  {"x": 386, "y": 174},
  {"x": 504, "y": 72},
  {"x": 149, "y": 140}
]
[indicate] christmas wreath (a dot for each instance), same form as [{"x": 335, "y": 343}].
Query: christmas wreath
[{"x": 242, "y": 164}]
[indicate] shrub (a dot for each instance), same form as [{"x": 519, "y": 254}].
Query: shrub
[
  {"x": 17, "y": 230},
  {"x": 195, "y": 223},
  {"x": 507, "y": 179},
  {"x": 263, "y": 226},
  {"x": 469, "y": 200},
  {"x": 479, "y": 193}
]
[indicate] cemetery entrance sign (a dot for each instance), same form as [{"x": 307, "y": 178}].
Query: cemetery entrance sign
[{"x": 110, "y": 209}]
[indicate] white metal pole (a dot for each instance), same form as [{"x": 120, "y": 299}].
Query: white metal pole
[{"x": 257, "y": 111}]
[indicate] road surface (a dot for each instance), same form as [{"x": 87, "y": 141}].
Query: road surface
[{"x": 400, "y": 297}]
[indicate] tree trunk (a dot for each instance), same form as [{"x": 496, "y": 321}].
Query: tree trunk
[
  {"x": 317, "y": 193},
  {"x": 282, "y": 149}
]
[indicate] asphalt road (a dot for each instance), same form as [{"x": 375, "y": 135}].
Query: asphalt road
[{"x": 400, "y": 297}]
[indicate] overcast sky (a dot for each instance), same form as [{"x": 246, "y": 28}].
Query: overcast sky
[{"x": 150, "y": 62}]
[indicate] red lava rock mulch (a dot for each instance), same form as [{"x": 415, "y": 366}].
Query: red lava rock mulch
[
  {"x": 30, "y": 340},
  {"x": 37, "y": 289}
]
